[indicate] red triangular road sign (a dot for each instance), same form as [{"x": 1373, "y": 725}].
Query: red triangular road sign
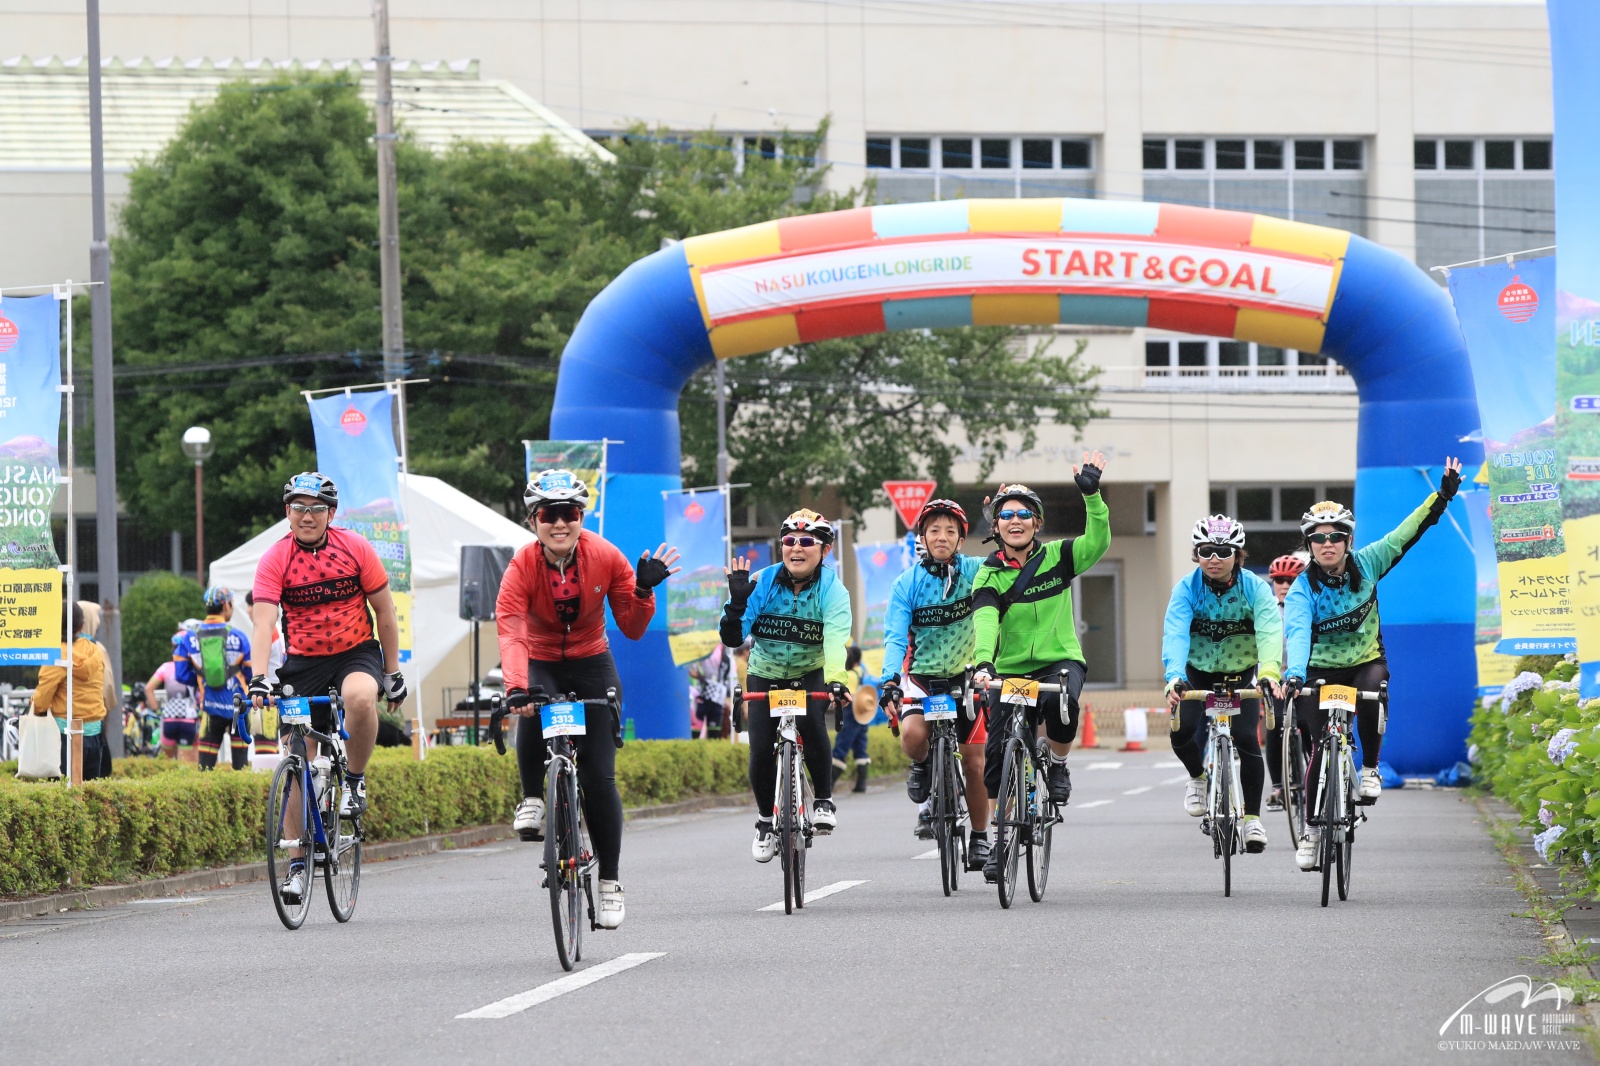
[{"x": 908, "y": 498}]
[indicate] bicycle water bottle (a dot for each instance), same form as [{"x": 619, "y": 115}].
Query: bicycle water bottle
[{"x": 321, "y": 767}]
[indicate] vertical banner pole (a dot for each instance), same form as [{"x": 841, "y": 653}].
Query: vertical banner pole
[
  {"x": 73, "y": 771},
  {"x": 605, "y": 447}
]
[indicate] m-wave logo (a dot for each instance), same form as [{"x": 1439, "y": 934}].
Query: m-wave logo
[{"x": 1504, "y": 1022}]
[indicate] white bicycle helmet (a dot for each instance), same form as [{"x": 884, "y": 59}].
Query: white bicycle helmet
[
  {"x": 1327, "y": 513},
  {"x": 555, "y": 486},
  {"x": 1217, "y": 529}
]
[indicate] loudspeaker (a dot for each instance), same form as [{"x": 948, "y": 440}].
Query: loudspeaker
[{"x": 483, "y": 566}]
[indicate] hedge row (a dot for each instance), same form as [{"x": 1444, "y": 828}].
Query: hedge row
[
  {"x": 156, "y": 817},
  {"x": 1538, "y": 747}
]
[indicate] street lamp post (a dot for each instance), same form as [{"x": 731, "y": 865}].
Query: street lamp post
[{"x": 197, "y": 446}]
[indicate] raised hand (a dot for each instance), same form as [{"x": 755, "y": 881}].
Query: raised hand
[{"x": 1088, "y": 475}]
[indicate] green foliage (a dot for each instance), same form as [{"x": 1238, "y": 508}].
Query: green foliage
[
  {"x": 151, "y": 611},
  {"x": 855, "y": 412},
  {"x": 1514, "y": 756}
]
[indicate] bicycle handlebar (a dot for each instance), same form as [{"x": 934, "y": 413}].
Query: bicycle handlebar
[
  {"x": 751, "y": 697},
  {"x": 500, "y": 711},
  {"x": 1238, "y": 693}
]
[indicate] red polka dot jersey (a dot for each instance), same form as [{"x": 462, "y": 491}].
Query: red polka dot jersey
[{"x": 323, "y": 592}]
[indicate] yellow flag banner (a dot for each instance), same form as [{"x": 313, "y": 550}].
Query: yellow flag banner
[{"x": 30, "y": 616}]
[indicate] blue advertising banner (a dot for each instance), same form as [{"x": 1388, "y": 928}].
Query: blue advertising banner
[
  {"x": 697, "y": 525},
  {"x": 355, "y": 447},
  {"x": 758, "y": 553},
  {"x": 1575, "y": 71},
  {"x": 1507, "y": 314},
  {"x": 879, "y": 565},
  {"x": 30, "y": 429},
  {"x": 1494, "y": 669}
]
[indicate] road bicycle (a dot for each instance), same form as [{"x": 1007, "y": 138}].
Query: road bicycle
[
  {"x": 1025, "y": 816},
  {"x": 1224, "y": 796},
  {"x": 1292, "y": 759},
  {"x": 947, "y": 796},
  {"x": 569, "y": 860},
  {"x": 1334, "y": 801},
  {"x": 303, "y": 810},
  {"x": 792, "y": 817},
  {"x": 141, "y": 727}
]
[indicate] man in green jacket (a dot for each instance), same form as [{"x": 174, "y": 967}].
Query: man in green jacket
[{"x": 1029, "y": 631}]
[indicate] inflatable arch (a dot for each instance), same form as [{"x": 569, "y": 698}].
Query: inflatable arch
[{"x": 1046, "y": 261}]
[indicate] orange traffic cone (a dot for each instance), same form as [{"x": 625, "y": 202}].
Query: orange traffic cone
[{"x": 1090, "y": 740}]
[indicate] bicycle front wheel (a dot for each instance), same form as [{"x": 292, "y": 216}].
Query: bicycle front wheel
[
  {"x": 1347, "y": 845},
  {"x": 286, "y": 797},
  {"x": 941, "y": 811},
  {"x": 1011, "y": 820},
  {"x": 562, "y": 862},
  {"x": 1039, "y": 834},
  {"x": 787, "y": 827},
  {"x": 1225, "y": 821},
  {"x": 341, "y": 872},
  {"x": 1294, "y": 777},
  {"x": 1332, "y": 799}
]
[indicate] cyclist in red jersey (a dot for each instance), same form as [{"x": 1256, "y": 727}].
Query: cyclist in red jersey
[
  {"x": 329, "y": 583},
  {"x": 551, "y": 619}
]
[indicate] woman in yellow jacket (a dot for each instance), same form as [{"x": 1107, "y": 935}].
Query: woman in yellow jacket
[{"x": 88, "y": 700}]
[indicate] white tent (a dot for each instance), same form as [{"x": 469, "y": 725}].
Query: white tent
[{"x": 441, "y": 519}]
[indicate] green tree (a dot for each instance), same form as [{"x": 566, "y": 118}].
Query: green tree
[
  {"x": 853, "y": 413},
  {"x": 151, "y": 611}
]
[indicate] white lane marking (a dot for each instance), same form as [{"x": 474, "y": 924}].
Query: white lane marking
[
  {"x": 824, "y": 891},
  {"x": 1170, "y": 764},
  {"x": 520, "y": 1002},
  {"x": 1105, "y": 766},
  {"x": 1180, "y": 779},
  {"x": 931, "y": 854},
  {"x": 1136, "y": 791},
  {"x": 1094, "y": 803},
  {"x": 165, "y": 901}
]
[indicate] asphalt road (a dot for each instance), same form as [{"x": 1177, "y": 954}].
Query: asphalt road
[{"x": 1134, "y": 956}]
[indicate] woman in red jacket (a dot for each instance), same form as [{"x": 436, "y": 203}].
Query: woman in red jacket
[{"x": 552, "y": 623}]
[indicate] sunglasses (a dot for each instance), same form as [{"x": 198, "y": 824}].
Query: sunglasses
[
  {"x": 1215, "y": 551},
  {"x": 309, "y": 508},
  {"x": 1283, "y": 581},
  {"x": 1014, "y": 512},
  {"x": 793, "y": 541},
  {"x": 565, "y": 512},
  {"x": 1336, "y": 537}
]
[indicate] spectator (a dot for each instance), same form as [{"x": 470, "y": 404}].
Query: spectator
[
  {"x": 181, "y": 711},
  {"x": 266, "y": 737},
  {"x": 91, "y": 627},
  {"x": 713, "y": 690},
  {"x": 852, "y": 739},
  {"x": 88, "y": 696}
]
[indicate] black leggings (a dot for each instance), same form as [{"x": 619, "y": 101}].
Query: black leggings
[
  {"x": 1365, "y": 677},
  {"x": 587, "y": 678},
  {"x": 1048, "y": 711},
  {"x": 1188, "y": 743},
  {"x": 764, "y": 734},
  {"x": 211, "y": 742},
  {"x": 1274, "y": 749}
]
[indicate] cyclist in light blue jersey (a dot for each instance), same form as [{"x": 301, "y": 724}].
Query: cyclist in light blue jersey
[
  {"x": 929, "y": 635},
  {"x": 797, "y": 615}
]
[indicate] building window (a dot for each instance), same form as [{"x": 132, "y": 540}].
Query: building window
[
  {"x": 911, "y": 169},
  {"x": 1482, "y": 198},
  {"x": 1326, "y": 184},
  {"x": 1210, "y": 363}
]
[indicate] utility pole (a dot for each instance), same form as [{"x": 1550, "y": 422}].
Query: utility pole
[
  {"x": 388, "y": 208},
  {"x": 105, "y": 416},
  {"x": 722, "y": 423}
]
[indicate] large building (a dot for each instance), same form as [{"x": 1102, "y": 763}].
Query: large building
[{"x": 1424, "y": 126}]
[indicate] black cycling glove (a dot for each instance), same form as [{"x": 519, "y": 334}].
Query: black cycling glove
[
  {"x": 649, "y": 572},
  {"x": 1448, "y": 484},
  {"x": 891, "y": 691},
  {"x": 517, "y": 697},
  {"x": 1088, "y": 479},
  {"x": 259, "y": 689},
  {"x": 739, "y": 587}
]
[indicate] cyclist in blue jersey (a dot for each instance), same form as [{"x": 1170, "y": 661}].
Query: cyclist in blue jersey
[
  {"x": 796, "y": 613},
  {"x": 929, "y": 634},
  {"x": 1333, "y": 630},
  {"x": 215, "y": 657},
  {"x": 1222, "y": 626}
]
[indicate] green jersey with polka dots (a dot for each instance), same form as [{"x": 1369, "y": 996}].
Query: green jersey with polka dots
[
  {"x": 1332, "y": 623},
  {"x": 1222, "y": 630}
]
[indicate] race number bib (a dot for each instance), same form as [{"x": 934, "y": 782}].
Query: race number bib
[
  {"x": 1338, "y": 698},
  {"x": 1020, "y": 690},
  {"x": 1221, "y": 706},
  {"x": 562, "y": 720},
  {"x": 786, "y": 701},
  {"x": 938, "y": 708},
  {"x": 294, "y": 710}
]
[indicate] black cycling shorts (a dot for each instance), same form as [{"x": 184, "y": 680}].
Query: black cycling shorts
[
  {"x": 314, "y": 675},
  {"x": 917, "y": 685}
]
